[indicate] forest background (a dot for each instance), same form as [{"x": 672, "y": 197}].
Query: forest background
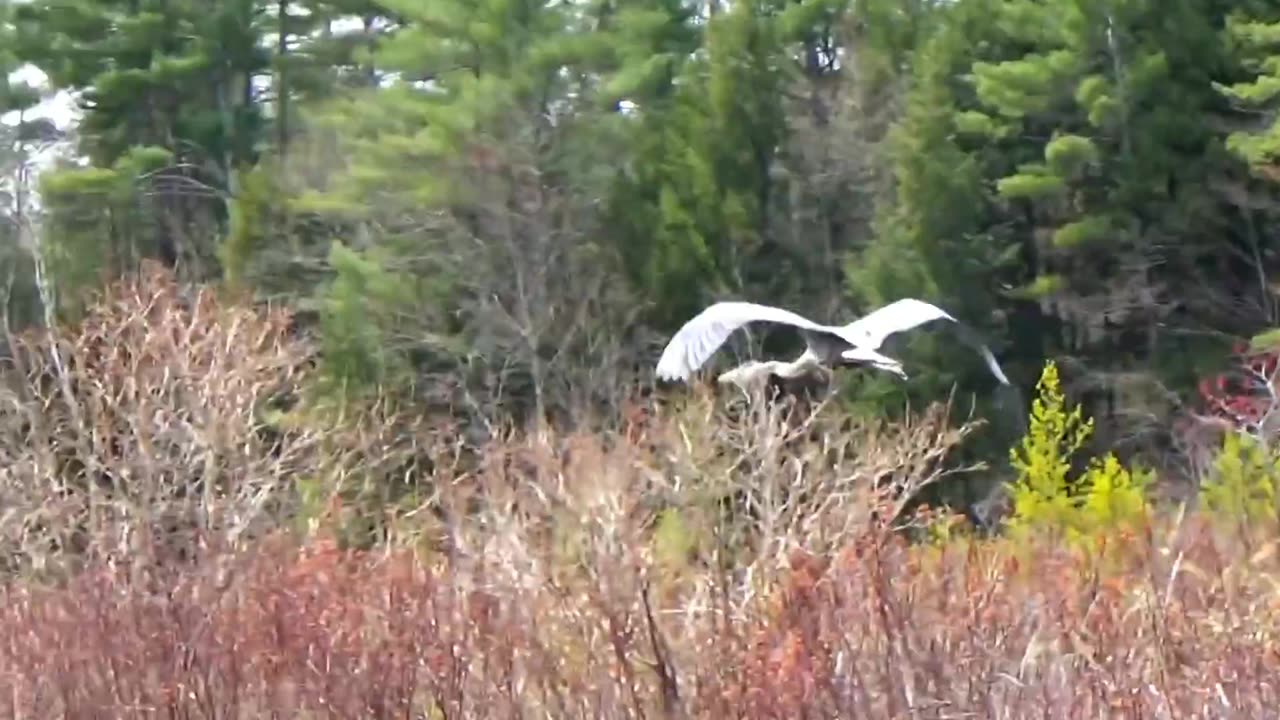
[{"x": 311, "y": 284}]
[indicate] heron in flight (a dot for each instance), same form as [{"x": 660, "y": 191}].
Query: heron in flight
[{"x": 827, "y": 346}]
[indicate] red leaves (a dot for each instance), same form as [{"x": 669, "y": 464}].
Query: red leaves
[
  {"x": 328, "y": 631},
  {"x": 1241, "y": 396}
]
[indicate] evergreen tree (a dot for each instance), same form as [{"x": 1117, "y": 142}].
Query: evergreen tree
[
  {"x": 1256, "y": 39},
  {"x": 1109, "y": 121},
  {"x": 465, "y": 174},
  {"x": 161, "y": 74},
  {"x": 1092, "y": 124},
  {"x": 171, "y": 80},
  {"x": 21, "y": 135},
  {"x": 691, "y": 205},
  {"x": 465, "y": 183},
  {"x": 318, "y": 51},
  {"x": 938, "y": 236}
]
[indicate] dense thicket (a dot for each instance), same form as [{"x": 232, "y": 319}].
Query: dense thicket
[
  {"x": 326, "y": 366},
  {"x": 500, "y": 209}
]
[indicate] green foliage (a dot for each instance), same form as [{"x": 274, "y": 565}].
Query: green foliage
[
  {"x": 1266, "y": 340},
  {"x": 1033, "y": 182},
  {"x": 1043, "y": 286},
  {"x": 1243, "y": 481},
  {"x": 491, "y": 65},
  {"x": 1017, "y": 88},
  {"x": 179, "y": 60},
  {"x": 1043, "y": 460},
  {"x": 14, "y": 95},
  {"x": 1116, "y": 495},
  {"x": 1106, "y": 497},
  {"x": 1055, "y": 173},
  {"x": 357, "y": 317},
  {"x": 932, "y": 234},
  {"x": 246, "y": 226},
  {"x": 1084, "y": 231},
  {"x": 1260, "y": 44},
  {"x": 1102, "y": 164},
  {"x": 1068, "y": 156},
  {"x": 972, "y": 122},
  {"x": 645, "y": 46},
  {"x": 690, "y": 211},
  {"x": 673, "y": 541},
  {"x": 21, "y": 135},
  {"x": 98, "y": 225}
]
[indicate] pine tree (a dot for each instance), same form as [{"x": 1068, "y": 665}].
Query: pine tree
[
  {"x": 938, "y": 237},
  {"x": 465, "y": 182},
  {"x": 692, "y": 203},
  {"x": 1095, "y": 118},
  {"x": 153, "y": 73},
  {"x": 1256, "y": 40},
  {"x": 172, "y": 80},
  {"x": 21, "y": 135}
]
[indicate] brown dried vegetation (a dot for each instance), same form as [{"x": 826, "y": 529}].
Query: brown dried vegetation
[{"x": 698, "y": 564}]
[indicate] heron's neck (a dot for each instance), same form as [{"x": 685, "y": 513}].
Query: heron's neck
[{"x": 803, "y": 365}]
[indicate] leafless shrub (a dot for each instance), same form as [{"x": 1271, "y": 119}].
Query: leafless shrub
[
  {"x": 569, "y": 568},
  {"x": 560, "y": 597},
  {"x": 804, "y": 476},
  {"x": 709, "y": 558},
  {"x": 147, "y": 430}
]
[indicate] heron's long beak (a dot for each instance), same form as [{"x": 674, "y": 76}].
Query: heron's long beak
[
  {"x": 875, "y": 359},
  {"x": 890, "y": 366}
]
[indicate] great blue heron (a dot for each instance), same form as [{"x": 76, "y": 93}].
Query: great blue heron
[{"x": 828, "y": 346}]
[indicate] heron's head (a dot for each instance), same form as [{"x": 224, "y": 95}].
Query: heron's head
[
  {"x": 894, "y": 368},
  {"x": 868, "y": 357}
]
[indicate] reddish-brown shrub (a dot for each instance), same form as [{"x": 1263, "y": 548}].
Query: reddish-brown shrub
[
  {"x": 1245, "y": 394},
  {"x": 874, "y": 630},
  {"x": 697, "y": 563}
]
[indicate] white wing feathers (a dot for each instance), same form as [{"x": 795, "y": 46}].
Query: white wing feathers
[
  {"x": 895, "y": 317},
  {"x": 699, "y": 338},
  {"x": 910, "y": 313}
]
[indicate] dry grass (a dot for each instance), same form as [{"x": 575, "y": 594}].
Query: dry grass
[
  {"x": 876, "y": 629},
  {"x": 699, "y": 562}
]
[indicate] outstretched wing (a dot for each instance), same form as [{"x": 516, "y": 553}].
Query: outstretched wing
[
  {"x": 872, "y": 329},
  {"x": 699, "y": 338}
]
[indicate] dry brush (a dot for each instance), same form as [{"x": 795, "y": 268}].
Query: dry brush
[{"x": 701, "y": 561}]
